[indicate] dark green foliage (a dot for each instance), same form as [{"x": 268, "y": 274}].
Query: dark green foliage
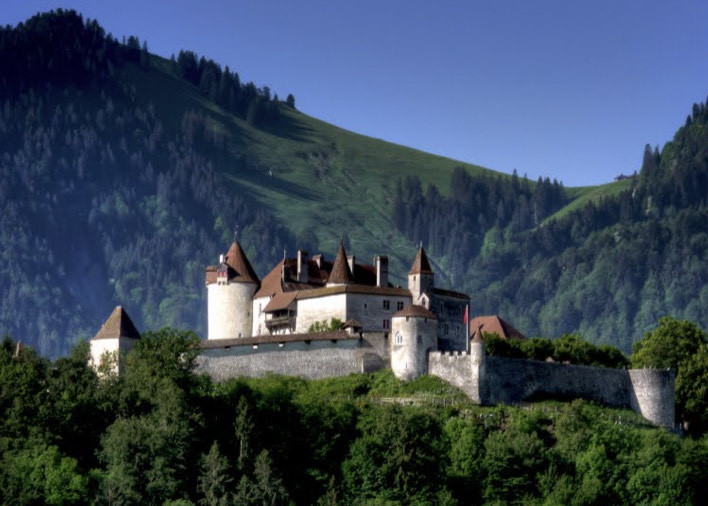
[
  {"x": 568, "y": 349},
  {"x": 164, "y": 435},
  {"x": 105, "y": 195},
  {"x": 323, "y": 326},
  {"x": 607, "y": 270}
]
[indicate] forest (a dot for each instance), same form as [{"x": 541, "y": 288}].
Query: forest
[
  {"x": 608, "y": 270},
  {"x": 160, "y": 433}
]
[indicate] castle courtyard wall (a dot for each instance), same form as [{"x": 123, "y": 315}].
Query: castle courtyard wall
[{"x": 313, "y": 359}]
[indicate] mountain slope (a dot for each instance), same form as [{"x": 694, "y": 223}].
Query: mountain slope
[{"x": 123, "y": 174}]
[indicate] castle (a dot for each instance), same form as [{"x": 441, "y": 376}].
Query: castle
[{"x": 273, "y": 325}]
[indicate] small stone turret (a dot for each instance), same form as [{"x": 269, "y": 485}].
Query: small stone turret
[
  {"x": 421, "y": 278},
  {"x": 477, "y": 365},
  {"x": 230, "y": 289},
  {"x": 113, "y": 341},
  {"x": 413, "y": 335}
]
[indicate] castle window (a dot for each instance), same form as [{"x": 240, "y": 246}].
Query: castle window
[
  {"x": 387, "y": 304},
  {"x": 399, "y": 305},
  {"x": 386, "y": 323},
  {"x": 399, "y": 338}
]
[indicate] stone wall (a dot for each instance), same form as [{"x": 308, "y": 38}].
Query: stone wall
[
  {"x": 316, "y": 309},
  {"x": 496, "y": 380},
  {"x": 654, "y": 395},
  {"x": 308, "y": 359},
  {"x": 456, "y": 368}
]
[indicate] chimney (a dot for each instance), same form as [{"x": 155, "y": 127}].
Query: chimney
[
  {"x": 351, "y": 260},
  {"x": 319, "y": 258},
  {"x": 221, "y": 259},
  {"x": 381, "y": 270},
  {"x": 302, "y": 258}
]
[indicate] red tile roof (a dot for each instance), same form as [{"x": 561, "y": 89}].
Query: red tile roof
[
  {"x": 495, "y": 325},
  {"x": 280, "y": 301},
  {"x": 415, "y": 311},
  {"x": 421, "y": 264},
  {"x": 118, "y": 325},
  {"x": 341, "y": 274},
  {"x": 236, "y": 259}
]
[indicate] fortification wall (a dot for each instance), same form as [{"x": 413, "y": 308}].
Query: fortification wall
[
  {"x": 456, "y": 368},
  {"x": 307, "y": 359},
  {"x": 653, "y": 395},
  {"x": 649, "y": 392},
  {"x": 511, "y": 381}
]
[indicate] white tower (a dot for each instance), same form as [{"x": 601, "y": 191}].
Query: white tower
[
  {"x": 421, "y": 279},
  {"x": 230, "y": 289},
  {"x": 113, "y": 341},
  {"x": 413, "y": 335}
]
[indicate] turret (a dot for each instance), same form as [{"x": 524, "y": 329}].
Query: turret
[
  {"x": 116, "y": 337},
  {"x": 421, "y": 278},
  {"x": 341, "y": 274},
  {"x": 230, "y": 289},
  {"x": 413, "y": 335}
]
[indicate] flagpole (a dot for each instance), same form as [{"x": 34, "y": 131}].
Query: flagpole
[{"x": 467, "y": 328}]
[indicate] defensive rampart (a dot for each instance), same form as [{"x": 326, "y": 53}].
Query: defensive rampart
[
  {"x": 309, "y": 356},
  {"x": 495, "y": 380}
]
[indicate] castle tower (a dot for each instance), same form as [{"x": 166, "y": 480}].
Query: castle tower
[
  {"x": 478, "y": 368},
  {"x": 341, "y": 274},
  {"x": 421, "y": 279},
  {"x": 413, "y": 335},
  {"x": 116, "y": 337},
  {"x": 230, "y": 289}
]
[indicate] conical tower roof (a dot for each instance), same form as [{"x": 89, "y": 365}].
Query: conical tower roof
[
  {"x": 421, "y": 264},
  {"x": 236, "y": 259},
  {"x": 341, "y": 274},
  {"x": 118, "y": 325}
]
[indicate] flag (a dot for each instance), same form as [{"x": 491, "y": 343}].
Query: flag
[{"x": 467, "y": 315}]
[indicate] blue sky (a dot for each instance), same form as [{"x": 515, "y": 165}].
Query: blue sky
[{"x": 568, "y": 89}]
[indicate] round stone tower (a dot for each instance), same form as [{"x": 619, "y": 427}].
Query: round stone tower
[
  {"x": 413, "y": 335},
  {"x": 230, "y": 289}
]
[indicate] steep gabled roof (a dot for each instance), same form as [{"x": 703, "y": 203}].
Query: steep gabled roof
[
  {"x": 236, "y": 259},
  {"x": 118, "y": 325},
  {"x": 421, "y": 264},
  {"x": 494, "y": 324},
  {"x": 341, "y": 274}
]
